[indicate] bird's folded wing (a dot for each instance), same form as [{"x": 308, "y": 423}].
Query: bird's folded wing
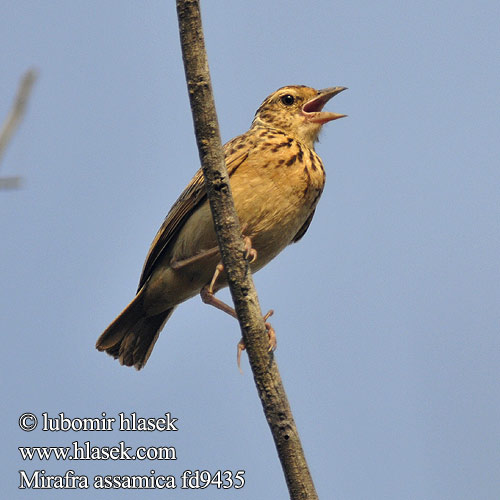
[
  {"x": 191, "y": 197},
  {"x": 304, "y": 228}
]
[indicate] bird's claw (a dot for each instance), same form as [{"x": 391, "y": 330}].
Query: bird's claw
[
  {"x": 273, "y": 343},
  {"x": 250, "y": 252},
  {"x": 271, "y": 333}
]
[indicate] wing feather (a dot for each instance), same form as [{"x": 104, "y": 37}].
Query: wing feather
[
  {"x": 190, "y": 198},
  {"x": 304, "y": 228}
]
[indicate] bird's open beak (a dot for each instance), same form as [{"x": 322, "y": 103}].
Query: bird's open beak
[{"x": 312, "y": 109}]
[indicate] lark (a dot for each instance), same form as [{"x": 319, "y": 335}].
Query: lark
[{"x": 276, "y": 180}]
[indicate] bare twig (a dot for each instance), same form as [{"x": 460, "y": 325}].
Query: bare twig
[
  {"x": 264, "y": 367},
  {"x": 12, "y": 121}
]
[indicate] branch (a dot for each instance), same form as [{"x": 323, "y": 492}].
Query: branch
[
  {"x": 12, "y": 121},
  {"x": 264, "y": 367}
]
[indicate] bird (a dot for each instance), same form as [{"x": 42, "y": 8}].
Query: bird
[{"x": 276, "y": 179}]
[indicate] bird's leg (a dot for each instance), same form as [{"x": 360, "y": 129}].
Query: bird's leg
[
  {"x": 273, "y": 343},
  {"x": 208, "y": 297},
  {"x": 179, "y": 264},
  {"x": 250, "y": 255},
  {"x": 207, "y": 292}
]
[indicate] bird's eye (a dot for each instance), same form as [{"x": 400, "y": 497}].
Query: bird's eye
[{"x": 287, "y": 99}]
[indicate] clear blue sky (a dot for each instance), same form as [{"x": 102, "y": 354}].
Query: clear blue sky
[{"x": 387, "y": 312}]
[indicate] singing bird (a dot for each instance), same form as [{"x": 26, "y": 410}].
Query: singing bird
[{"x": 276, "y": 180}]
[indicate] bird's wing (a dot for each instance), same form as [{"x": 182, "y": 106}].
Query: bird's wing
[
  {"x": 304, "y": 228},
  {"x": 191, "y": 197}
]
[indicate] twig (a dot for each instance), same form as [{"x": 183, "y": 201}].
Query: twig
[
  {"x": 12, "y": 121},
  {"x": 264, "y": 367}
]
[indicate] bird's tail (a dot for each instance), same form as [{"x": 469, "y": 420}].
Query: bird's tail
[{"x": 132, "y": 336}]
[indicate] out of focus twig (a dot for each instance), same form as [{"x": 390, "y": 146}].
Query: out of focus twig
[{"x": 12, "y": 122}]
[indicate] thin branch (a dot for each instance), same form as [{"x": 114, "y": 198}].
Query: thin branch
[
  {"x": 12, "y": 122},
  {"x": 264, "y": 367}
]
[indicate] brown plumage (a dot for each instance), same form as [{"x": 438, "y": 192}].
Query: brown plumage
[{"x": 276, "y": 180}]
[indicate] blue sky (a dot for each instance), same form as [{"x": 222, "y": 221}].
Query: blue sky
[{"x": 387, "y": 312}]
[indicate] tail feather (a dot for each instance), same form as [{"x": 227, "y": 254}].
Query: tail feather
[{"x": 132, "y": 336}]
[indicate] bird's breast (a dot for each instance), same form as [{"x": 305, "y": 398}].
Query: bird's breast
[{"x": 275, "y": 190}]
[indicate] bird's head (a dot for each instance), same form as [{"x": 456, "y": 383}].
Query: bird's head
[{"x": 298, "y": 111}]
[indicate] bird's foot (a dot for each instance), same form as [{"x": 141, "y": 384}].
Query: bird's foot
[
  {"x": 250, "y": 252},
  {"x": 271, "y": 333}
]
